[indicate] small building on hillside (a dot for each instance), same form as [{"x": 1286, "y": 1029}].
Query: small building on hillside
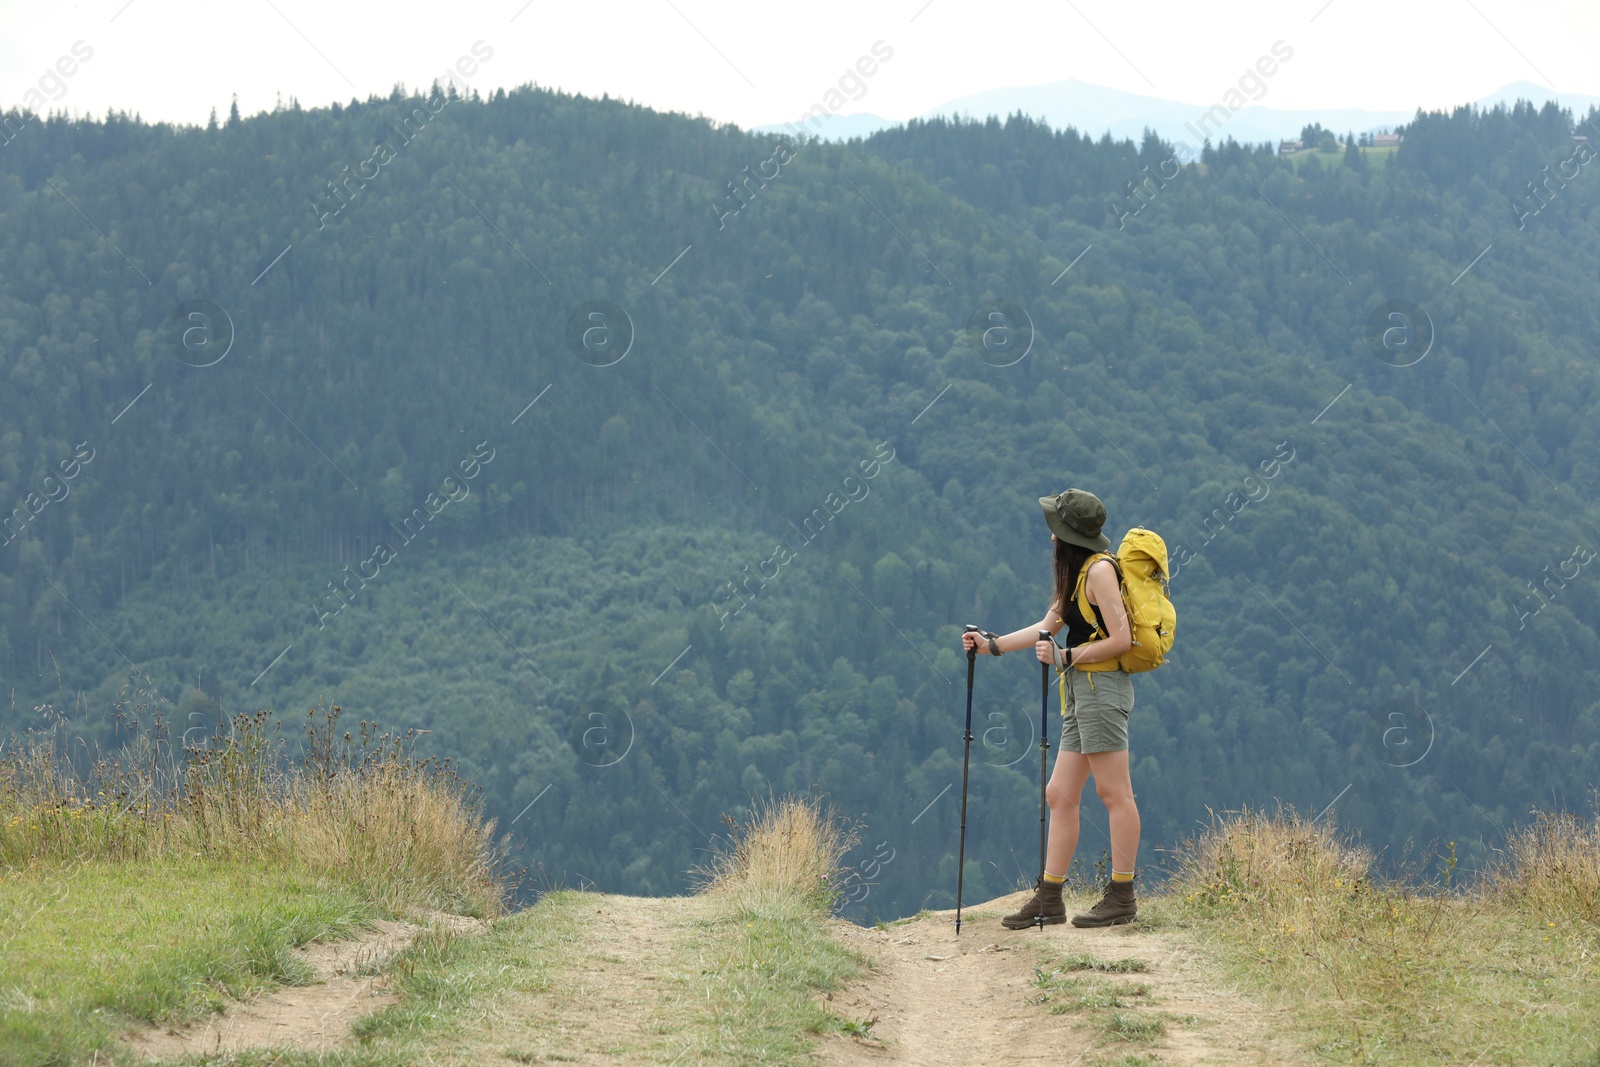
[
  {"x": 1289, "y": 148},
  {"x": 1386, "y": 140}
]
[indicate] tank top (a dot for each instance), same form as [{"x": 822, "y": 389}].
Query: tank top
[{"x": 1078, "y": 629}]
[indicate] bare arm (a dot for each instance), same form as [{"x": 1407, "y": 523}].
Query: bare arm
[
  {"x": 1028, "y": 636},
  {"x": 1017, "y": 639},
  {"x": 1102, "y": 586},
  {"x": 1104, "y": 594}
]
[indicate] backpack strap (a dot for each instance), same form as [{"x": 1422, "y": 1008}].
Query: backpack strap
[{"x": 1081, "y": 592}]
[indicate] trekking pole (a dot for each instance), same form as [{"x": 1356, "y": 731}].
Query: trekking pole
[
  {"x": 961, "y": 852},
  {"x": 1044, "y": 754}
]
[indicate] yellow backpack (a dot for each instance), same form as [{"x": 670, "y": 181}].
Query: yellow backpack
[{"x": 1141, "y": 563}]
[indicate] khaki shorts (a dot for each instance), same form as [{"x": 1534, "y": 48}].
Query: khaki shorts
[{"x": 1096, "y": 718}]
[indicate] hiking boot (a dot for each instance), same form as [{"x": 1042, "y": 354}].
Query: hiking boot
[
  {"x": 1115, "y": 908},
  {"x": 1046, "y": 902}
]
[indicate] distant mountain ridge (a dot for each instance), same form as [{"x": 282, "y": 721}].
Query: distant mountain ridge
[{"x": 1097, "y": 109}]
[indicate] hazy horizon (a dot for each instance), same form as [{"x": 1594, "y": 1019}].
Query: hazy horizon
[{"x": 718, "y": 60}]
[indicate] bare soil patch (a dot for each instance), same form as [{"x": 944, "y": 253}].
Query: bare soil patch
[{"x": 933, "y": 999}]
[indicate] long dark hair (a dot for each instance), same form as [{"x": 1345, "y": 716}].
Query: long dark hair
[{"x": 1069, "y": 560}]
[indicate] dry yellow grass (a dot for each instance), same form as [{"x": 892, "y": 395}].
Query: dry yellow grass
[
  {"x": 399, "y": 837},
  {"x": 790, "y": 845},
  {"x": 361, "y": 811},
  {"x": 1391, "y": 972},
  {"x": 1552, "y": 867},
  {"x": 1282, "y": 858}
]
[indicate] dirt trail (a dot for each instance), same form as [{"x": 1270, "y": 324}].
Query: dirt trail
[
  {"x": 612, "y": 1007},
  {"x": 622, "y": 991},
  {"x": 974, "y": 1002},
  {"x": 314, "y": 1017}
]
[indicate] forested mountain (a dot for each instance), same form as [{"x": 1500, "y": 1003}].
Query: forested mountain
[{"x": 631, "y": 570}]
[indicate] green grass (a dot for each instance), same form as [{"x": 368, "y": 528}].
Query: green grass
[
  {"x": 1085, "y": 962},
  {"x": 1122, "y": 1011},
  {"x": 91, "y": 949},
  {"x": 738, "y": 967},
  {"x": 88, "y": 950},
  {"x": 1065, "y": 994},
  {"x": 446, "y": 983},
  {"x": 889, "y": 924},
  {"x": 764, "y": 958},
  {"x": 1376, "y": 157},
  {"x": 449, "y": 988},
  {"x": 736, "y": 973},
  {"x": 1128, "y": 1026},
  {"x": 738, "y": 984}
]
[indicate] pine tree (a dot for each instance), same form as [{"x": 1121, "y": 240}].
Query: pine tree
[{"x": 1353, "y": 156}]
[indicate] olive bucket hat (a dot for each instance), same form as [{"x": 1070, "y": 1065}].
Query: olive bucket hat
[{"x": 1076, "y": 516}]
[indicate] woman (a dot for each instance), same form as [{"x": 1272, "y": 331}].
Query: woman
[{"x": 1094, "y": 735}]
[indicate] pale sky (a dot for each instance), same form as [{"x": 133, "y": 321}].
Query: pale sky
[{"x": 752, "y": 63}]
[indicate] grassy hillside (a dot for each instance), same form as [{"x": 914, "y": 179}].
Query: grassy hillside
[
  {"x": 1277, "y": 943},
  {"x": 151, "y": 886},
  {"x": 1378, "y": 972},
  {"x": 220, "y": 881}
]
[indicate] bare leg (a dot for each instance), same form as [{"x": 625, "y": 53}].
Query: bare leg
[
  {"x": 1115, "y": 788},
  {"x": 1065, "y": 790}
]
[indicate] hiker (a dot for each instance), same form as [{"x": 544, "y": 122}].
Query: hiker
[{"x": 1094, "y": 732}]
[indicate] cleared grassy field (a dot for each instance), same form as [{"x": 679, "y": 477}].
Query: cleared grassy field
[{"x": 1376, "y": 157}]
